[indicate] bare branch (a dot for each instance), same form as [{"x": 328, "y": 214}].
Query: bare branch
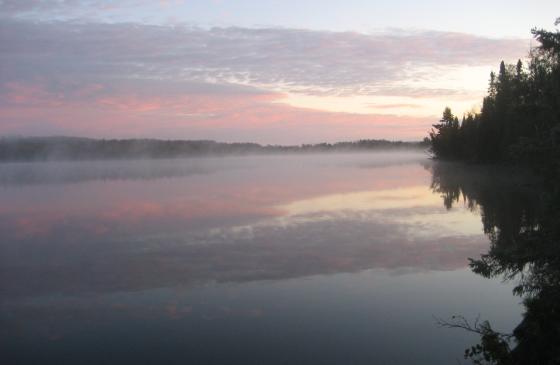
[{"x": 481, "y": 328}]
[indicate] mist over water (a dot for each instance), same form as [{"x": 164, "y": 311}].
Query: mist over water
[
  {"x": 283, "y": 259},
  {"x": 65, "y": 171}
]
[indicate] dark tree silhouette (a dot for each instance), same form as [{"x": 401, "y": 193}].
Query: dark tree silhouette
[
  {"x": 70, "y": 148},
  {"x": 445, "y": 134},
  {"x": 520, "y": 216},
  {"x": 519, "y": 121}
]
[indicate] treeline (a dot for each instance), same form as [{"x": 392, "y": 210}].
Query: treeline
[
  {"x": 71, "y": 148},
  {"x": 520, "y": 117}
]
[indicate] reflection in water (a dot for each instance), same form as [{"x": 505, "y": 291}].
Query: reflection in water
[
  {"x": 138, "y": 235},
  {"x": 278, "y": 259},
  {"x": 521, "y": 219}
]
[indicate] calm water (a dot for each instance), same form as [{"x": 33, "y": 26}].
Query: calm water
[{"x": 334, "y": 259}]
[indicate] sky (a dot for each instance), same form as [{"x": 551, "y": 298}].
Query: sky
[{"x": 267, "y": 71}]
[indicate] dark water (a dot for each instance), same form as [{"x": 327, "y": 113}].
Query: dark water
[{"x": 335, "y": 259}]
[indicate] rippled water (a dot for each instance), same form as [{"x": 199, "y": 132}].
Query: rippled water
[{"x": 340, "y": 259}]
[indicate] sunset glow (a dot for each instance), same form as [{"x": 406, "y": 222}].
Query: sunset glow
[{"x": 191, "y": 70}]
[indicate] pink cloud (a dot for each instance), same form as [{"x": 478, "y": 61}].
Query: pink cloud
[
  {"x": 100, "y": 111},
  {"x": 30, "y": 94},
  {"x": 134, "y": 80}
]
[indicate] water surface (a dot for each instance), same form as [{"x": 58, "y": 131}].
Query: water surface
[{"x": 331, "y": 259}]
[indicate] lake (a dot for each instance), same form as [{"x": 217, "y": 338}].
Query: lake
[{"x": 281, "y": 259}]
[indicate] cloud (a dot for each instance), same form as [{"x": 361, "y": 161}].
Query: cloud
[
  {"x": 225, "y": 117},
  {"x": 137, "y": 80},
  {"x": 290, "y": 60},
  {"x": 394, "y": 106},
  {"x": 42, "y": 8}
]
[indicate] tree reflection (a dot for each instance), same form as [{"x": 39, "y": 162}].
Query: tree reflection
[{"x": 522, "y": 219}]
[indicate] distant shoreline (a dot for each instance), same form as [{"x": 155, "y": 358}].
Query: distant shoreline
[{"x": 24, "y": 149}]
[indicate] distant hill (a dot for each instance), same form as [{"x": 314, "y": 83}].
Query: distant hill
[{"x": 75, "y": 148}]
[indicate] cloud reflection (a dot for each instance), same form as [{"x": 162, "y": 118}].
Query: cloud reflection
[{"x": 261, "y": 218}]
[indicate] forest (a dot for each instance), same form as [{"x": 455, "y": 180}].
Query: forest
[
  {"x": 517, "y": 127},
  {"x": 519, "y": 121},
  {"x": 74, "y": 148}
]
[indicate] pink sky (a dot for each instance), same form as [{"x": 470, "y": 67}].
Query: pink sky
[{"x": 269, "y": 85}]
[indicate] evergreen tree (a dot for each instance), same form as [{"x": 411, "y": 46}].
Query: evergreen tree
[{"x": 519, "y": 121}]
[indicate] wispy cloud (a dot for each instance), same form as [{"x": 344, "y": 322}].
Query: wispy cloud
[
  {"x": 228, "y": 115},
  {"x": 188, "y": 80},
  {"x": 293, "y": 60}
]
